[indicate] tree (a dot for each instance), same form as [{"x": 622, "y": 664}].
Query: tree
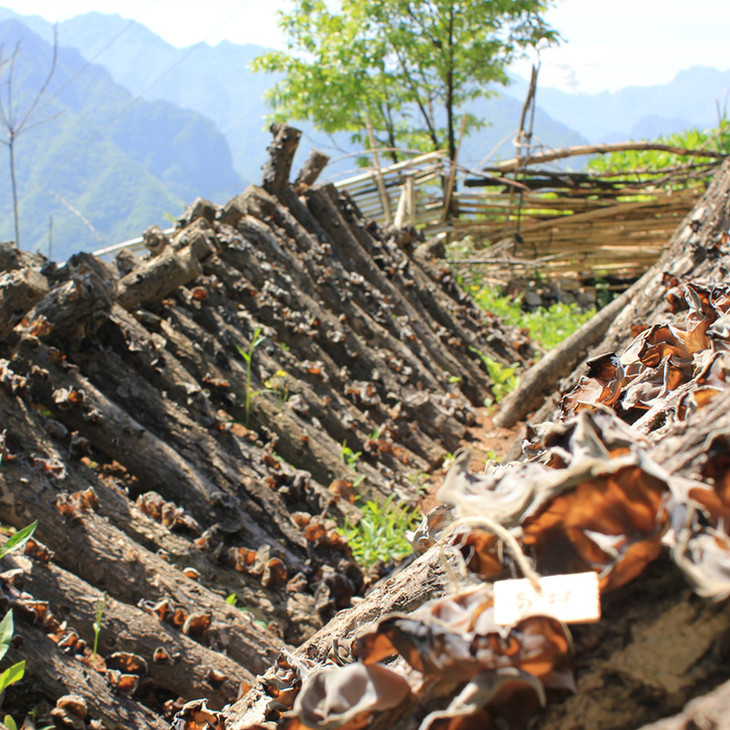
[
  {"x": 410, "y": 67},
  {"x": 17, "y": 114}
]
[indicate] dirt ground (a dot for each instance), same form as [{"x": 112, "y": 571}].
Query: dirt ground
[{"x": 485, "y": 441}]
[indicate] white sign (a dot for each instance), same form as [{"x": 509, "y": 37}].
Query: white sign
[{"x": 570, "y": 598}]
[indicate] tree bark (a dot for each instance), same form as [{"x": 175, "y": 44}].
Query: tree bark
[
  {"x": 281, "y": 154},
  {"x": 316, "y": 162},
  {"x": 20, "y": 290}
]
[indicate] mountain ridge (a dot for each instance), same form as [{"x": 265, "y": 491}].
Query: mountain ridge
[{"x": 108, "y": 165}]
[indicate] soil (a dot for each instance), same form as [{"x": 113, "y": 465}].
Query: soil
[{"x": 485, "y": 441}]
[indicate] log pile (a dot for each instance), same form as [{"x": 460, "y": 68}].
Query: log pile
[
  {"x": 177, "y": 426},
  {"x": 629, "y": 481}
]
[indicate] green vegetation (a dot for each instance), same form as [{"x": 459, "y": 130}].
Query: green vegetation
[
  {"x": 278, "y": 385},
  {"x": 548, "y": 327},
  {"x": 348, "y": 456},
  {"x": 381, "y": 532},
  {"x": 102, "y": 169},
  {"x": 503, "y": 377},
  {"x": 100, "y": 607},
  {"x": 659, "y": 166},
  {"x": 15, "y": 672},
  {"x": 408, "y": 67},
  {"x": 247, "y": 355}
]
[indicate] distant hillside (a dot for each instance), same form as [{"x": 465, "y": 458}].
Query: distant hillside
[
  {"x": 690, "y": 100},
  {"x": 216, "y": 81},
  {"x": 120, "y": 164}
]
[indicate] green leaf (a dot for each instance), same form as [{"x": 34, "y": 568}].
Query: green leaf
[
  {"x": 9, "y": 723},
  {"x": 11, "y": 675},
  {"x": 6, "y": 633},
  {"x": 18, "y": 539}
]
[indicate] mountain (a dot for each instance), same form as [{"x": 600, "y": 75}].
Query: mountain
[
  {"x": 636, "y": 112},
  {"x": 103, "y": 165},
  {"x": 216, "y": 81}
]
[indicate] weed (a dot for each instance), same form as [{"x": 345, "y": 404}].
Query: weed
[
  {"x": 278, "y": 384},
  {"x": 100, "y": 607},
  {"x": 15, "y": 672},
  {"x": 256, "y": 340},
  {"x": 548, "y": 327},
  {"x": 381, "y": 532},
  {"x": 18, "y": 540},
  {"x": 348, "y": 456},
  {"x": 232, "y": 599},
  {"x": 503, "y": 377}
]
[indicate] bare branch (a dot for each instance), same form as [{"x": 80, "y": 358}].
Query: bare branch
[{"x": 47, "y": 81}]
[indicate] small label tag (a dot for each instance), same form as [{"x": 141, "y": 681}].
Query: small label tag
[{"x": 571, "y": 598}]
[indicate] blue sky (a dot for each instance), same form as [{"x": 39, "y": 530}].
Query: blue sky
[{"x": 608, "y": 44}]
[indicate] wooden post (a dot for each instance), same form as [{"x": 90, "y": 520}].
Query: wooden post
[
  {"x": 382, "y": 192},
  {"x": 452, "y": 176},
  {"x": 411, "y": 200}
]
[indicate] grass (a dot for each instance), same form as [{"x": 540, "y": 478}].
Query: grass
[
  {"x": 247, "y": 355},
  {"x": 380, "y": 533},
  {"x": 100, "y": 607},
  {"x": 547, "y": 326},
  {"x": 503, "y": 377},
  {"x": 15, "y": 672},
  {"x": 348, "y": 456}
]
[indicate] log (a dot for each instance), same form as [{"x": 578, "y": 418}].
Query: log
[
  {"x": 83, "y": 294},
  {"x": 542, "y": 377},
  {"x": 281, "y": 153},
  {"x": 58, "y": 674},
  {"x": 691, "y": 252},
  {"x": 602, "y": 149},
  {"x": 428, "y": 577},
  {"x": 158, "y": 277},
  {"x": 311, "y": 170},
  {"x": 124, "y": 628},
  {"x": 20, "y": 290}
]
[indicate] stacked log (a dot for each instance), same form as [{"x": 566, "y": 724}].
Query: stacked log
[
  {"x": 177, "y": 426},
  {"x": 618, "y": 489}
]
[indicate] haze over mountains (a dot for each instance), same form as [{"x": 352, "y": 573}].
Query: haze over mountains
[{"x": 146, "y": 127}]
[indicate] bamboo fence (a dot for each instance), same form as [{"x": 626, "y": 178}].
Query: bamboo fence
[
  {"x": 571, "y": 229},
  {"x": 575, "y": 228}
]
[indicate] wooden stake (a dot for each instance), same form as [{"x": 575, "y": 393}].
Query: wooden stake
[{"x": 387, "y": 215}]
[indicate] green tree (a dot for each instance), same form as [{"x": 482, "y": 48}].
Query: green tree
[{"x": 409, "y": 66}]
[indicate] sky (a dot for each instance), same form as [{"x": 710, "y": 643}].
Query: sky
[{"x": 608, "y": 44}]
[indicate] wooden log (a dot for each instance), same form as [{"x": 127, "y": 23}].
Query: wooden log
[
  {"x": 281, "y": 153},
  {"x": 20, "y": 290},
  {"x": 188, "y": 670},
  {"x": 80, "y": 301},
  {"x": 111, "y": 560},
  {"x": 311, "y": 170},
  {"x": 426, "y": 578},
  {"x": 158, "y": 277},
  {"x": 59, "y": 674},
  {"x": 542, "y": 377},
  {"x": 602, "y": 149}
]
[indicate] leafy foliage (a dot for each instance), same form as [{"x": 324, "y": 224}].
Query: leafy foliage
[
  {"x": 15, "y": 672},
  {"x": 654, "y": 165},
  {"x": 409, "y": 67},
  {"x": 503, "y": 377},
  {"x": 247, "y": 355},
  {"x": 381, "y": 532},
  {"x": 348, "y": 456},
  {"x": 547, "y": 326}
]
